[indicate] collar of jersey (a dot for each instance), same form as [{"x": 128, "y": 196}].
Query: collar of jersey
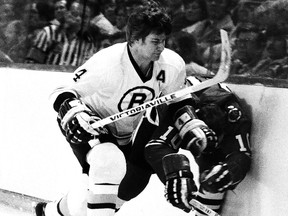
[{"x": 137, "y": 68}]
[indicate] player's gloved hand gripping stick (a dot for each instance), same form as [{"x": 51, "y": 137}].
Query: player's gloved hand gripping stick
[
  {"x": 222, "y": 75},
  {"x": 180, "y": 188}
]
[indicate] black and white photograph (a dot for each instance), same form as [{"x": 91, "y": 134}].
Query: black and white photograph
[{"x": 144, "y": 107}]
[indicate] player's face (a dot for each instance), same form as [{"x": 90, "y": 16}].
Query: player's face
[{"x": 152, "y": 46}]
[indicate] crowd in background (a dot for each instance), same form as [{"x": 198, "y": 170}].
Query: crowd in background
[{"x": 68, "y": 32}]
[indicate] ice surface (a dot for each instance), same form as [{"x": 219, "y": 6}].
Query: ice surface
[{"x": 150, "y": 202}]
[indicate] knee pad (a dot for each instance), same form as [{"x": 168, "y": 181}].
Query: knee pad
[{"x": 107, "y": 164}]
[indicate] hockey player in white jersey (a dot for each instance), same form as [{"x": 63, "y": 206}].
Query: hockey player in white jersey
[{"x": 113, "y": 80}]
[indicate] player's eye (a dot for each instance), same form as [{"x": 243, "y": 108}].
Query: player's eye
[{"x": 156, "y": 42}]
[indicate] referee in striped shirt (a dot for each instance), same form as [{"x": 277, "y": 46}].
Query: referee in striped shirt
[{"x": 65, "y": 44}]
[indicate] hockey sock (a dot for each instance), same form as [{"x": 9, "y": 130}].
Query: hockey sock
[
  {"x": 53, "y": 209},
  {"x": 102, "y": 200}
]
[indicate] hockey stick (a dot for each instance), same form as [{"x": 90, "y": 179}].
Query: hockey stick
[
  {"x": 203, "y": 208},
  {"x": 222, "y": 75}
]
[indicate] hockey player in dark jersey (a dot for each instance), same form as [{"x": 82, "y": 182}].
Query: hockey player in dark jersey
[{"x": 223, "y": 160}]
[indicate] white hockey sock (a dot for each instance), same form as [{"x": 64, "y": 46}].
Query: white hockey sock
[
  {"x": 102, "y": 200},
  {"x": 52, "y": 209}
]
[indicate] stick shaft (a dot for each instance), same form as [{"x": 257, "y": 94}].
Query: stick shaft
[
  {"x": 221, "y": 76},
  {"x": 203, "y": 208}
]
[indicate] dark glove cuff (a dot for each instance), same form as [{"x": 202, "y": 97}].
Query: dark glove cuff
[{"x": 61, "y": 98}]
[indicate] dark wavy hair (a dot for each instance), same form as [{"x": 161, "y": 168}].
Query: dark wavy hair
[{"x": 150, "y": 17}]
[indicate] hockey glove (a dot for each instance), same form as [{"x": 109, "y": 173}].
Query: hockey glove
[
  {"x": 227, "y": 175},
  {"x": 180, "y": 187},
  {"x": 195, "y": 134},
  {"x": 75, "y": 120},
  {"x": 216, "y": 180}
]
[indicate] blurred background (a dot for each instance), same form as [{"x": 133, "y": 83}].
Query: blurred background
[{"x": 68, "y": 32}]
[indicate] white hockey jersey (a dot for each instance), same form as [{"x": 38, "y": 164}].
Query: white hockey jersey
[{"x": 109, "y": 83}]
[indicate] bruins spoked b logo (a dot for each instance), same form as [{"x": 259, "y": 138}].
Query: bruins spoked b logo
[{"x": 135, "y": 97}]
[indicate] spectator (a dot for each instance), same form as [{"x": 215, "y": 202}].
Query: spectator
[
  {"x": 109, "y": 40},
  {"x": 19, "y": 8},
  {"x": 65, "y": 45},
  {"x": 45, "y": 12},
  {"x": 6, "y": 14},
  {"x": 243, "y": 13},
  {"x": 109, "y": 32},
  {"x": 132, "y": 5},
  {"x": 15, "y": 37},
  {"x": 262, "y": 16},
  {"x": 194, "y": 11},
  {"x": 273, "y": 13},
  {"x": 37, "y": 15},
  {"x": 207, "y": 32},
  {"x": 174, "y": 7},
  {"x": 275, "y": 64},
  {"x": 280, "y": 9},
  {"x": 185, "y": 45},
  {"x": 60, "y": 8},
  {"x": 99, "y": 25},
  {"x": 19, "y": 34},
  {"x": 121, "y": 16},
  {"x": 109, "y": 8},
  {"x": 249, "y": 46}
]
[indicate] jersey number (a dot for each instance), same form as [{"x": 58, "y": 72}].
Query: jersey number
[
  {"x": 78, "y": 74},
  {"x": 241, "y": 142},
  {"x": 161, "y": 76},
  {"x": 173, "y": 136}
]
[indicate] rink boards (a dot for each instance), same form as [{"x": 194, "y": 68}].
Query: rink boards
[{"x": 35, "y": 159}]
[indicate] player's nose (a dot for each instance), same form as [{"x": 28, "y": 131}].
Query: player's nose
[{"x": 161, "y": 46}]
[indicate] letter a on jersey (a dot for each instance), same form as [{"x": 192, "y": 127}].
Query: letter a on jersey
[{"x": 161, "y": 76}]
